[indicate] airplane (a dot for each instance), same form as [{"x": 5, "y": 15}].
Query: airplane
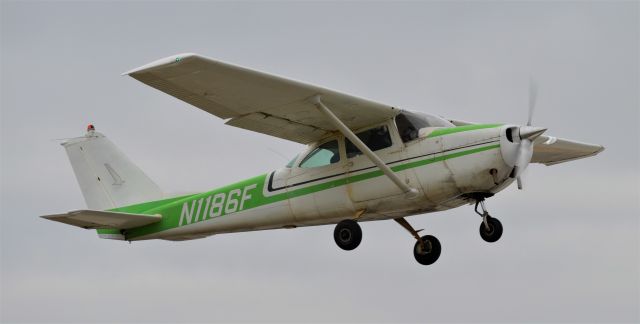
[{"x": 363, "y": 161}]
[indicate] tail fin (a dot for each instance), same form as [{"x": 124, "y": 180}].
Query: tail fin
[{"x": 107, "y": 178}]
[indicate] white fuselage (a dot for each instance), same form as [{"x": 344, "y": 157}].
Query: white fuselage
[{"x": 444, "y": 169}]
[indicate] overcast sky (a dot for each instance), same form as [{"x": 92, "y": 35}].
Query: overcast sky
[{"x": 570, "y": 250}]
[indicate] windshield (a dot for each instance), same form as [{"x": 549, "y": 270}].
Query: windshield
[{"x": 325, "y": 154}]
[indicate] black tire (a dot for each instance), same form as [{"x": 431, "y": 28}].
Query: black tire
[
  {"x": 347, "y": 234},
  {"x": 494, "y": 232},
  {"x": 430, "y": 253}
]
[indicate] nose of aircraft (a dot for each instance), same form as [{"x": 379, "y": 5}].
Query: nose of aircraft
[
  {"x": 517, "y": 145},
  {"x": 517, "y": 151},
  {"x": 531, "y": 132}
]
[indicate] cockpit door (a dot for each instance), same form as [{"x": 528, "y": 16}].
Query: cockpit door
[{"x": 366, "y": 181}]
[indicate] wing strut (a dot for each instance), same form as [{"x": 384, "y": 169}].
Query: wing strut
[{"x": 410, "y": 193}]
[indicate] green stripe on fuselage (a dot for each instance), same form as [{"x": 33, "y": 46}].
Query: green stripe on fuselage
[
  {"x": 452, "y": 130},
  {"x": 171, "y": 208}
]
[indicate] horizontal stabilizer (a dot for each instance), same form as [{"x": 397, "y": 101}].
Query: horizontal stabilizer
[{"x": 95, "y": 219}]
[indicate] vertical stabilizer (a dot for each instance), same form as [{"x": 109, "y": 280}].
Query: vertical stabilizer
[{"x": 107, "y": 178}]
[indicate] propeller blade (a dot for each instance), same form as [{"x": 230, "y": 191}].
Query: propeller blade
[
  {"x": 525, "y": 151},
  {"x": 533, "y": 97},
  {"x": 521, "y": 179},
  {"x": 527, "y": 135}
]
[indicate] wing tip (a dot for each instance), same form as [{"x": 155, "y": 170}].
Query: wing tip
[
  {"x": 598, "y": 150},
  {"x": 161, "y": 62}
]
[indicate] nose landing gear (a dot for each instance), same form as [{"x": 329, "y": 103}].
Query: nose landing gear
[{"x": 490, "y": 228}]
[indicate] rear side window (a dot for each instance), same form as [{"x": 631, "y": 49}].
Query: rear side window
[
  {"x": 375, "y": 139},
  {"x": 325, "y": 154}
]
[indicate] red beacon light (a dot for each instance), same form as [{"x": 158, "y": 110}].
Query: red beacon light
[{"x": 90, "y": 128}]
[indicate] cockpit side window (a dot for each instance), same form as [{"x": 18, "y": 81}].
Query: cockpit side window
[
  {"x": 376, "y": 138},
  {"x": 409, "y": 124},
  {"x": 325, "y": 154}
]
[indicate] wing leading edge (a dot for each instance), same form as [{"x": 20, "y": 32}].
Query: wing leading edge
[{"x": 257, "y": 101}]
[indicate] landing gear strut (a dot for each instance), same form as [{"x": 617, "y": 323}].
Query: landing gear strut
[
  {"x": 427, "y": 248},
  {"x": 347, "y": 234},
  {"x": 490, "y": 228}
]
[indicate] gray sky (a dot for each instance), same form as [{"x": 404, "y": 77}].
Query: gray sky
[{"x": 570, "y": 251}]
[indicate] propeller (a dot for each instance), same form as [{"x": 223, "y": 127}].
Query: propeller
[
  {"x": 527, "y": 134},
  {"x": 533, "y": 97}
]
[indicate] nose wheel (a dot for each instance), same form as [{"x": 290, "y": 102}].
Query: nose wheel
[{"x": 490, "y": 228}]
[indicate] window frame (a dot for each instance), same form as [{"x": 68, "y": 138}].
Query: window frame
[
  {"x": 396, "y": 143},
  {"x": 389, "y": 131},
  {"x": 292, "y": 163}
]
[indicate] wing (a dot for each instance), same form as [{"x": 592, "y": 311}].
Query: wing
[
  {"x": 257, "y": 101},
  {"x": 96, "y": 219},
  {"x": 551, "y": 150}
]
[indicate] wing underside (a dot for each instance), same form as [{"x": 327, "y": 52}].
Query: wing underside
[
  {"x": 257, "y": 101},
  {"x": 551, "y": 150}
]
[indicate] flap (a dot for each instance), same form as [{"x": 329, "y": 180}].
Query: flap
[
  {"x": 258, "y": 101},
  {"x": 97, "y": 219}
]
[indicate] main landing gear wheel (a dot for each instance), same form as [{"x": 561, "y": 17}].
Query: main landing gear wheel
[
  {"x": 491, "y": 230},
  {"x": 427, "y": 250},
  {"x": 347, "y": 234}
]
